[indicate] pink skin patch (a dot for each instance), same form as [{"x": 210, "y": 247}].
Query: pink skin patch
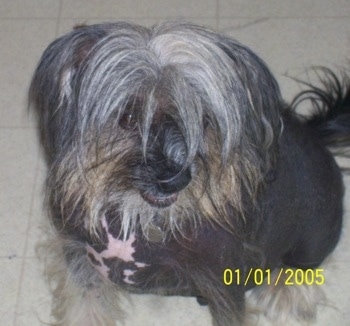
[
  {"x": 115, "y": 249},
  {"x": 127, "y": 273}
]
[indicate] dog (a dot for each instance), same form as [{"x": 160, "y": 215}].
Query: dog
[{"x": 176, "y": 168}]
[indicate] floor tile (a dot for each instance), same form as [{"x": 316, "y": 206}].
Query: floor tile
[
  {"x": 19, "y": 152},
  {"x": 9, "y": 284},
  {"x": 291, "y": 46},
  {"x": 150, "y": 310},
  {"x": 29, "y": 8},
  {"x": 287, "y": 8},
  {"x": 138, "y": 8},
  {"x": 34, "y": 299},
  {"x": 337, "y": 278},
  {"x": 22, "y": 43}
]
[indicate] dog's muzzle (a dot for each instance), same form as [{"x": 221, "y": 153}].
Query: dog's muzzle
[
  {"x": 165, "y": 188},
  {"x": 164, "y": 171}
]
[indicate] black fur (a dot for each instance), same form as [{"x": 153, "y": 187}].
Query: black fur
[{"x": 331, "y": 108}]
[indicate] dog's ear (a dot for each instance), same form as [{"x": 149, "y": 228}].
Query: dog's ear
[
  {"x": 261, "y": 119},
  {"x": 52, "y": 88}
]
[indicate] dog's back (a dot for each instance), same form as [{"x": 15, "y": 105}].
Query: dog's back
[{"x": 302, "y": 204}]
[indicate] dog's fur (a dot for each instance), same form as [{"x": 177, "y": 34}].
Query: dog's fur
[{"x": 172, "y": 157}]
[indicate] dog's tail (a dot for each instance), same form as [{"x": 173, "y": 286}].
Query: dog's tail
[{"x": 330, "y": 109}]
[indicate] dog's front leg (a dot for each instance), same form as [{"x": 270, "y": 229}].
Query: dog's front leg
[
  {"x": 80, "y": 296},
  {"x": 226, "y": 310},
  {"x": 226, "y": 303}
]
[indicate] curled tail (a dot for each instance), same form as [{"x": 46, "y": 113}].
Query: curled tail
[{"x": 330, "y": 104}]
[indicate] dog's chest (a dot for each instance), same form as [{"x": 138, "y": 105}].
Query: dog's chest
[
  {"x": 139, "y": 263},
  {"x": 116, "y": 260}
]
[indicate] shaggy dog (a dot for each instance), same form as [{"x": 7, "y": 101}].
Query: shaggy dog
[{"x": 175, "y": 168}]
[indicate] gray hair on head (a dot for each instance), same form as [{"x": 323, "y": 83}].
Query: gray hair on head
[{"x": 205, "y": 76}]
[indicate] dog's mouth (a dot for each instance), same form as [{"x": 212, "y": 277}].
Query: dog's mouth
[{"x": 160, "y": 201}]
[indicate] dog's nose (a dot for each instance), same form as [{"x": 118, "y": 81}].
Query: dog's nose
[{"x": 173, "y": 181}]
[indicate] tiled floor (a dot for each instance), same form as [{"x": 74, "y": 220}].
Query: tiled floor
[{"x": 289, "y": 35}]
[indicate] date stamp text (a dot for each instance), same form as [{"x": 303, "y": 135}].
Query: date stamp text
[{"x": 286, "y": 276}]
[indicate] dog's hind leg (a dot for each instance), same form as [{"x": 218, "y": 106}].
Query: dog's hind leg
[
  {"x": 281, "y": 300},
  {"x": 321, "y": 231}
]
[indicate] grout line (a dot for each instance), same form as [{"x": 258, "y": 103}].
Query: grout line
[
  {"x": 217, "y": 14},
  {"x": 245, "y": 25},
  {"x": 59, "y": 16},
  {"x": 11, "y": 257},
  {"x": 25, "y": 250},
  {"x": 18, "y": 127},
  {"x": 135, "y": 19}
]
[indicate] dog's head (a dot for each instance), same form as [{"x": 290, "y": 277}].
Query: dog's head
[{"x": 163, "y": 125}]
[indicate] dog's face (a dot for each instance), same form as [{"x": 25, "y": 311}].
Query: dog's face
[{"x": 159, "y": 126}]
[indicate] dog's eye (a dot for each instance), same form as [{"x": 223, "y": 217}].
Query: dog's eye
[{"x": 127, "y": 121}]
